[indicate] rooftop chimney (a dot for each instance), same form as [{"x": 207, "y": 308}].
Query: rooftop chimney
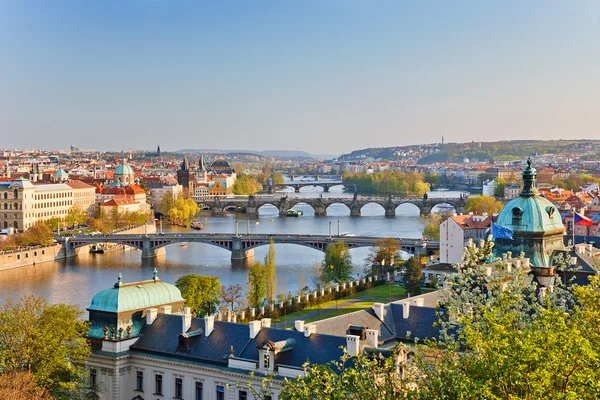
[
  {"x": 254, "y": 328},
  {"x": 309, "y": 329},
  {"x": 299, "y": 325},
  {"x": 405, "y": 309},
  {"x": 209, "y": 325},
  {"x": 186, "y": 320},
  {"x": 165, "y": 309},
  {"x": 419, "y": 302},
  {"x": 352, "y": 345},
  {"x": 379, "y": 310},
  {"x": 151, "y": 314},
  {"x": 265, "y": 323},
  {"x": 372, "y": 335}
]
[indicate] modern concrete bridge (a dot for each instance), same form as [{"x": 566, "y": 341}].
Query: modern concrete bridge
[
  {"x": 251, "y": 204},
  {"x": 241, "y": 246}
]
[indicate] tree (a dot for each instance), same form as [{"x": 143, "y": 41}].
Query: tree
[
  {"x": 483, "y": 204},
  {"x": 47, "y": 340},
  {"x": 413, "y": 276},
  {"x": 76, "y": 216},
  {"x": 246, "y": 185},
  {"x": 231, "y": 295},
  {"x": 270, "y": 272},
  {"x": 431, "y": 231},
  {"x": 21, "y": 386},
  {"x": 499, "y": 189},
  {"x": 256, "y": 289},
  {"x": 201, "y": 293},
  {"x": 385, "y": 251},
  {"x": 337, "y": 265}
]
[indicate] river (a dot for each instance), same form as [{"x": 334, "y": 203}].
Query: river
[{"x": 75, "y": 281}]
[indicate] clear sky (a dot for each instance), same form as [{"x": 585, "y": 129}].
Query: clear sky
[{"x": 324, "y": 76}]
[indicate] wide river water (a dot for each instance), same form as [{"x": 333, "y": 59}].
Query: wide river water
[{"x": 77, "y": 280}]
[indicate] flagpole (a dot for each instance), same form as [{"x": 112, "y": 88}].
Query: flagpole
[{"x": 574, "y": 228}]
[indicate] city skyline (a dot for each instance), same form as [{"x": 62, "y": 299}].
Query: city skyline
[{"x": 318, "y": 76}]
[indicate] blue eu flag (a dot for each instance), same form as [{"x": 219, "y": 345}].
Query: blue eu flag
[{"x": 500, "y": 232}]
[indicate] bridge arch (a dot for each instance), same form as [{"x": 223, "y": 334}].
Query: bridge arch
[
  {"x": 304, "y": 206},
  {"x": 444, "y": 208},
  {"x": 311, "y": 188},
  {"x": 372, "y": 209},
  {"x": 232, "y": 206},
  {"x": 338, "y": 186},
  {"x": 268, "y": 209},
  {"x": 337, "y": 209},
  {"x": 408, "y": 209}
]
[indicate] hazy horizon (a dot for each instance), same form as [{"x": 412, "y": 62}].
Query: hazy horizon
[{"x": 321, "y": 76}]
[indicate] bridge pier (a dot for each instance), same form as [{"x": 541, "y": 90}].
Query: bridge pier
[
  {"x": 320, "y": 211},
  {"x": 325, "y": 188},
  {"x": 149, "y": 252},
  {"x": 238, "y": 253},
  {"x": 390, "y": 211},
  {"x": 355, "y": 209},
  {"x": 297, "y": 188}
]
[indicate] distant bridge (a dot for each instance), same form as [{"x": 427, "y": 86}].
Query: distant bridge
[
  {"x": 325, "y": 184},
  {"x": 251, "y": 204},
  {"x": 241, "y": 246}
]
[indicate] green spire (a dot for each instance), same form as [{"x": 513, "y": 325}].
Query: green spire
[{"x": 529, "y": 180}]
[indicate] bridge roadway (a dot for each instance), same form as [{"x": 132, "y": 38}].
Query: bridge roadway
[
  {"x": 241, "y": 246},
  {"x": 251, "y": 204}
]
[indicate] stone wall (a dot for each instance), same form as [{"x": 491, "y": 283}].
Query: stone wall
[{"x": 38, "y": 254}]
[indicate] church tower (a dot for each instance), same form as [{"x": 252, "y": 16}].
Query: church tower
[{"x": 186, "y": 177}]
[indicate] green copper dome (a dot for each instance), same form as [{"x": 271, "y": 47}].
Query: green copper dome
[
  {"x": 135, "y": 296},
  {"x": 535, "y": 221},
  {"x": 123, "y": 169}
]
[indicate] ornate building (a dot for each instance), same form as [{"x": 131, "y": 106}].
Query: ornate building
[{"x": 535, "y": 221}]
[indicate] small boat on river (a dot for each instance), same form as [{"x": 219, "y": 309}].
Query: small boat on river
[
  {"x": 196, "y": 225},
  {"x": 293, "y": 213}
]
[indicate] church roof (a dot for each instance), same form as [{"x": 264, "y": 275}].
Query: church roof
[{"x": 124, "y": 169}]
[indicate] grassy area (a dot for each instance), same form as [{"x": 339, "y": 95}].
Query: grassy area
[
  {"x": 361, "y": 305},
  {"x": 377, "y": 294}
]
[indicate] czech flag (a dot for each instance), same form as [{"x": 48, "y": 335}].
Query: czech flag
[{"x": 581, "y": 220}]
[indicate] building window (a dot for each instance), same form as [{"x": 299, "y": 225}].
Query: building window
[
  {"x": 266, "y": 361},
  {"x": 178, "y": 388},
  {"x": 220, "y": 392},
  {"x": 243, "y": 395},
  {"x": 158, "y": 384},
  {"x": 199, "y": 390},
  {"x": 139, "y": 384},
  {"x": 268, "y": 397},
  {"x": 92, "y": 377}
]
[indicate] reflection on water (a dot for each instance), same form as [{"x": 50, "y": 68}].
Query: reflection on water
[{"x": 77, "y": 280}]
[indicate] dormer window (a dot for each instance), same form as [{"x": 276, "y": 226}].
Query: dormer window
[
  {"x": 266, "y": 361},
  {"x": 517, "y": 215}
]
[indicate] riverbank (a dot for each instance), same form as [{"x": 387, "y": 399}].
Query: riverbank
[{"x": 33, "y": 255}]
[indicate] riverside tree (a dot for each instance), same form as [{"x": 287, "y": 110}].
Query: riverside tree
[
  {"x": 201, "y": 293},
  {"x": 47, "y": 341},
  {"x": 231, "y": 295},
  {"x": 256, "y": 289},
  {"x": 270, "y": 272},
  {"x": 337, "y": 265}
]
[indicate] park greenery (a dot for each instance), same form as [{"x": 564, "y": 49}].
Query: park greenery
[
  {"x": 107, "y": 221},
  {"x": 179, "y": 210},
  {"x": 483, "y": 204},
  {"x": 44, "y": 342},
  {"x": 246, "y": 184},
  {"x": 400, "y": 184},
  {"x": 501, "y": 336},
  {"x": 201, "y": 293},
  {"x": 337, "y": 265}
]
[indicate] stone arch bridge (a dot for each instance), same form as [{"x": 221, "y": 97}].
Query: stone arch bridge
[
  {"x": 241, "y": 246},
  {"x": 251, "y": 204}
]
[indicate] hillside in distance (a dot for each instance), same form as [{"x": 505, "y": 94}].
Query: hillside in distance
[{"x": 479, "y": 151}]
